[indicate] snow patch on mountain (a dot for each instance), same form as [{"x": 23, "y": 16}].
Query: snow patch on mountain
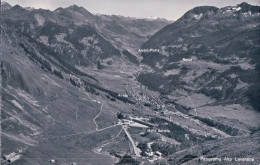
[
  {"x": 29, "y": 8},
  {"x": 198, "y": 16},
  {"x": 237, "y": 9},
  {"x": 154, "y": 18}
]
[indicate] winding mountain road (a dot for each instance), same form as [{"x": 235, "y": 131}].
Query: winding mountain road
[{"x": 136, "y": 150}]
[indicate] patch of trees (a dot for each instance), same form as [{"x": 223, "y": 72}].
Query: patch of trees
[
  {"x": 131, "y": 57},
  {"x": 58, "y": 73},
  {"x": 147, "y": 104},
  {"x": 121, "y": 115},
  {"x": 111, "y": 93},
  {"x": 90, "y": 89},
  {"x": 126, "y": 159},
  {"x": 63, "y": 63},
  {"x": 44, "y": 64},
  {"x": 99, "y": 65},
  {"x": 213, "y": 93},
  {"x": 111, "y": 98},
  {"x": 225, "y": 128},
  {"x": 187, "y": 158},
  {"x": 153, "y": 81},
  {"x": 151, "y": 58},
  {"x": 164, "y": 148},
  {"x": 253, "y": 93},
  {"x": 176, "y": 131},
  {"x": 110, "y": 62},
  {"x": 113, "y": 152},
  {"x": 143, "y": 147},
  {"x": 74, "y": 82}
]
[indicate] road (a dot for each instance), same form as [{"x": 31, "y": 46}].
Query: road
[
  {"x": 192, "y": 105},
  {"x": 136, "y": 150},
  {"x": 94, "y": 119}
]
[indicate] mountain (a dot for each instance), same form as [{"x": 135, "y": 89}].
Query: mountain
[
  {"x": 209, "y": 51},
  {"x": 63, "y": 43},
  {"x": 73, "y": 90},
  {"x": 117, "y": 29},
  {"x": 208, "y": 67},
  {"x": 56, "y": 68},
  {"x": 5, "y": 6},
  {"x": 114, "y": 29},
  {"x": 45, "y": 92}
]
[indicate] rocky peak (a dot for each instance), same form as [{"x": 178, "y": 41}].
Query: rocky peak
[
  {"x": 198, "y": 12},
  {"x": 79, "y": 9},
  {"x": 5, "y": 6},
  {"x": 245, "y": 7}
]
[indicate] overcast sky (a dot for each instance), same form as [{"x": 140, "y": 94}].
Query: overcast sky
[{"x": 169, "y": 9}]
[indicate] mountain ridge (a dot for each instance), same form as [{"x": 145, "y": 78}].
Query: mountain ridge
[
  {"x": 74, "y": 90},
  {"x": 125, "y": 27},
  {"x": 216, "y": 37}
]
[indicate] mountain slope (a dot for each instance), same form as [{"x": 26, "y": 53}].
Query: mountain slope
[
  {"x": 70, "y": 93},
  {"x": 209, "y": 51},
  {"x": 124, "y": 33},
  {"x": 52, "y": 102}
]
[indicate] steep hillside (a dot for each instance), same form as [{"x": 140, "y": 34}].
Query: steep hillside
[
  {"x": 49, "y": 104},
  {"x": 76, "y": 44}
]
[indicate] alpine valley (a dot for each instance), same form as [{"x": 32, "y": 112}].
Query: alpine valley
[{"x": 77, "y": 90}]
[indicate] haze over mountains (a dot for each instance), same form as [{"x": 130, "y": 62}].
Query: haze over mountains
[{"x": 75, "y": 89}]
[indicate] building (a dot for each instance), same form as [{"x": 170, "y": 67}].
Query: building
[{"x": 187, "y": 59}]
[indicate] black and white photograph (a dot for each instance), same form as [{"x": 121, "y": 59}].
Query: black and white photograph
[{"x": 130, "y": 82}]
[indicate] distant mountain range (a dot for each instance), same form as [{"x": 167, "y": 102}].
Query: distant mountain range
[{"x": 123, "y": 32}]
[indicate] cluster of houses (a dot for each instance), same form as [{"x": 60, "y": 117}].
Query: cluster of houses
[
  {"x": 134, "y": 122},
  {"x": 123, "y": 95},
  {"x": 143, "y": 123},
  {"x": 146, "y": 100},
  {"x": 151, "y": 154}
]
